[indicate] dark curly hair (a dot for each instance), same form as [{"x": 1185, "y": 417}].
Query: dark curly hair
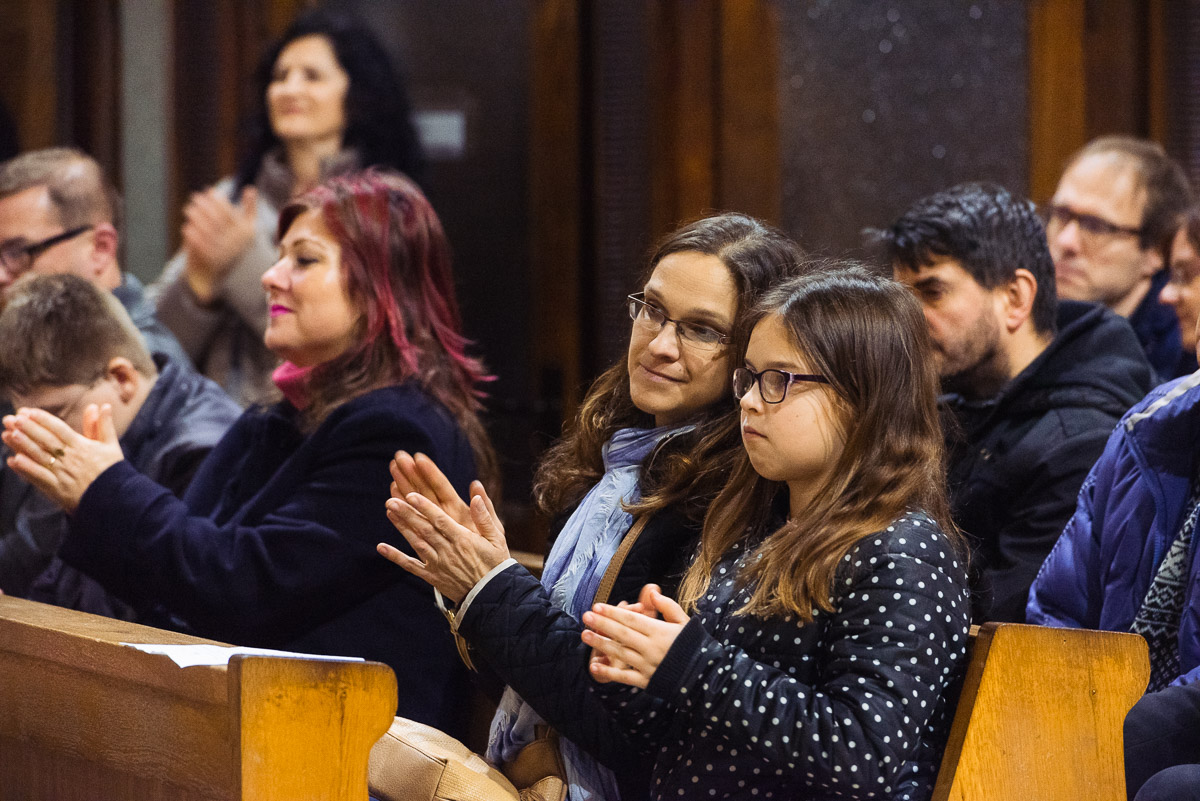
[{"x": 378, "y": 113}]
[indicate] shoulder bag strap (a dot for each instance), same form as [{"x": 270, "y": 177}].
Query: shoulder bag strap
[{"x": 614, "y": 567}]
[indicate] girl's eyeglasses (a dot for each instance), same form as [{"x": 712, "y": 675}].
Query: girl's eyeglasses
[{"x": 772, "y": 384}]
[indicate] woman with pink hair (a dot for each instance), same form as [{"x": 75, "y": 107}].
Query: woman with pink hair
[{"x": 273, "y": 544}]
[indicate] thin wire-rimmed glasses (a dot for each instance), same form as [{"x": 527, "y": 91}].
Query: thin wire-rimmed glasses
[
  {"x": 653, "y": 319},
  {"x": 1091, "y": 228},
  {"x": 17, "y": 259},
  {"x": 772, "y": 384}
]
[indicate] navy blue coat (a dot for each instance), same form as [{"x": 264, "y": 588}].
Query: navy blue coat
[
  {"x": 274, "y": 543},
  {"x": 1130, "y": 511}
]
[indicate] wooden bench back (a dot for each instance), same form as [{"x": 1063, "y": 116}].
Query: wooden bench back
[
  {"x": 1040, "y": 715},
  {"x": 83, "y": 717}
]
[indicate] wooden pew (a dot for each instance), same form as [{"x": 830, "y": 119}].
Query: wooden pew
[
  {"x": 1040, "y": 715},
  {"x": 1039, "y": 718},
  {"x": 83, "y": 717}
]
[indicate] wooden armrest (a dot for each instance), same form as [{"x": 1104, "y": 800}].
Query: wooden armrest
[{"x": 1041, "y": 715}]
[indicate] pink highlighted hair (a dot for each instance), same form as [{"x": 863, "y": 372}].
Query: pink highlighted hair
[{"x": 396, "y": 265}]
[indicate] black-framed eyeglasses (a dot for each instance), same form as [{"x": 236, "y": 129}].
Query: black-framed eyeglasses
[
  {"x": 652, "y": 318},
  {"x": 772, "y": 384},
  {"x": 1058, "y": 217},
  {"x": 16, "y": 259}
]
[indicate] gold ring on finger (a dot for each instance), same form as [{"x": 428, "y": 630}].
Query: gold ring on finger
[{"x": 58, "y": 453}]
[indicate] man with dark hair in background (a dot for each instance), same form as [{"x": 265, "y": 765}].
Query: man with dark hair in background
[
  {"x": 1110, "y": 225},
  {"x": 69, "y": 344},
  {"x": 1032, "y": 387}
]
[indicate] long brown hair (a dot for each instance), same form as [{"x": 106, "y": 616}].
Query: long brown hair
[
  {"x": 868, "y": 336},
  {"x": 689, "y": 468},
  {"x": 396, "y": 263}
]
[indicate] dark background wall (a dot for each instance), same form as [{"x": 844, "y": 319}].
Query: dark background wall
[
  {"x": 470, "y": 60},
  {"x": 593, "y": 127},
  {"x": 884, "y": 101}
]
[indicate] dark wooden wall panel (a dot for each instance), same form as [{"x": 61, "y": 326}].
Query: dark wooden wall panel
[
  {"x": 28, "y": 30},
  {"x": 555, "y": 206},
  {"x": 884, "y": 102},
  {"x": 1057, "y": 91},
  {"x": 748, "y": 110}
]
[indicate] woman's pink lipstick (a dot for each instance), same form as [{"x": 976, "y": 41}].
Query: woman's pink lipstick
[{"x": 277, "y": 310}]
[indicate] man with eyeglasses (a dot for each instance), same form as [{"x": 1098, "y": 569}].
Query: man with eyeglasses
[
  {"x": 58, "y": 214},
  {"x": 1032, "y": 387},
  {"x": 1110, "y": 226}
]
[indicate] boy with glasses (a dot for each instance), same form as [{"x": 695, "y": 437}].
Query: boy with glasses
[
  {"x": 1109, "y": 226},
  {"x": 70, "y": 344}
]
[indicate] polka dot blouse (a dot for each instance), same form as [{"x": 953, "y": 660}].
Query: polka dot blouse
[{"x": 856, "y": 704}]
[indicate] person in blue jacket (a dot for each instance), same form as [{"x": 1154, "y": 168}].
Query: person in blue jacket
[
  {"x": 653, "y": 441},
  {"x": 1126, "y": 562},
  {"x": 273, "y": 544},
  {"x": 821, "y": 632}
]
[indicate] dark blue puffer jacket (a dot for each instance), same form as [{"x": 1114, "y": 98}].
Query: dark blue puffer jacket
[{"x": 1129, "y": 511}]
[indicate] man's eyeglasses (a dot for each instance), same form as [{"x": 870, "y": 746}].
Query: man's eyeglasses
[
  {"x": 18, "y": 258},
  {"x": 772, "y": 384},
  {"x": 653, "y": 319},
  {"x": 1091, "y": 227}
]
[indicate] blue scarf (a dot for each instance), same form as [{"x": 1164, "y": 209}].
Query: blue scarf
[{"x": 572, "y": 573}]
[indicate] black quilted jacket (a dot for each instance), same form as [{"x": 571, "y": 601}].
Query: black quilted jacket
[
  {"x": 534, "y": 647},
  {"x": 854, "y": 705}
]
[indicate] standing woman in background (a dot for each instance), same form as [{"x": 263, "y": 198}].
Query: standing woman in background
[
  {"x": 273, "y": 544},
  {"x": 327, "y": 102}
]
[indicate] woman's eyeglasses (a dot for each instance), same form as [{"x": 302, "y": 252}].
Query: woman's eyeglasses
[
  {"x": 652, "y": 319},
  {"x": 772, "y": 384}
]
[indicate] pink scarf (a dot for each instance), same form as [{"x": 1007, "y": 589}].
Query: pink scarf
[{"x": 293, "y": 383}]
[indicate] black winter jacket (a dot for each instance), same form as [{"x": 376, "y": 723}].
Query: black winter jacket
[
  {"x": 1017, "y": 461},
  {"x": 533, "y": 646}
]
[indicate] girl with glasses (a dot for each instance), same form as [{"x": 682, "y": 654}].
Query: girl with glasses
[
  {"x": 652, "y": 443},
  {"x": 822, "y": 626}
]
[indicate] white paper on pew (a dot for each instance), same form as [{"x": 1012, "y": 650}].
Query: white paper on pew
[{"x": 190, "y": 655}]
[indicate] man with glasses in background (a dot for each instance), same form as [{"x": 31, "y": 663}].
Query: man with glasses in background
[
  {"x": 58, "y": 214},
  {"x": 1032, "y": 387},
  {"x": 1109, "y": 226}
]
